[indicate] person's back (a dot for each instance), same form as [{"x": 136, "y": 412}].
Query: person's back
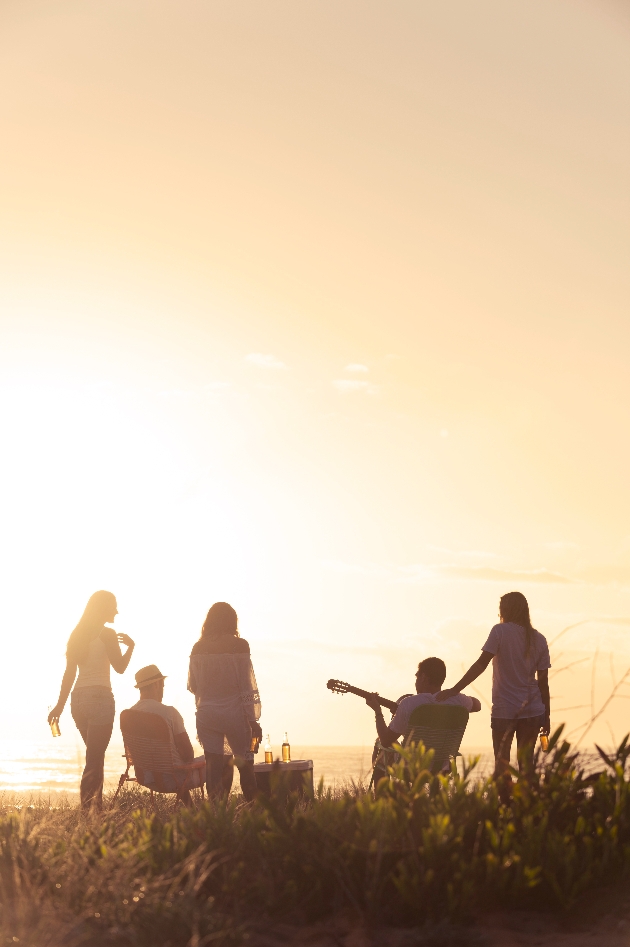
[
  {"x": 515, "y": 691},
  {"x": 175, "y": 721},
  {"x": 220, "y": 669},
  {"x": 94, "y": 666}
]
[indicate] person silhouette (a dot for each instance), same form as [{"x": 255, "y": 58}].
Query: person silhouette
[
  {"x": 222, "y": 679},
  {"x": 92, "y": 649}
]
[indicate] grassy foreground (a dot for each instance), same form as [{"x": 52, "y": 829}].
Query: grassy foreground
[{"x": 424, "y": 848}]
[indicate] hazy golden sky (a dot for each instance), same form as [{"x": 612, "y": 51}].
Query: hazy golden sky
[{"x": 320, "y": 308}]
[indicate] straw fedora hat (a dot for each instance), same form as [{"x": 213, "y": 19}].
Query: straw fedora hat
[{"x": 149, "y": 675}]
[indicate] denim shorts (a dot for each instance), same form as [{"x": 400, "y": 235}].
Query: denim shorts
[
  {"x": 213, "y": 727},
  {"x": 92, "y": 706}
]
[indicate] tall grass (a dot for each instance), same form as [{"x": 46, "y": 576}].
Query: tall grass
[{"x": 422, "y": 848}]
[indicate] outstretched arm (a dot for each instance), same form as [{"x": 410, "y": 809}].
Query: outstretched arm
[
  {"x": 66, "y": 686},
  {"x": 473, "y": 672}
]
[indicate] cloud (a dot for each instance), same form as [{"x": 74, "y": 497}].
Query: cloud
[
  {"x": 488, "y": 574},
  {"x": 356, "y": 367},
  {"x": 419, "y": 572},
  {"x": 349, "y": 385},
  {"x": 265, "y": 361}
]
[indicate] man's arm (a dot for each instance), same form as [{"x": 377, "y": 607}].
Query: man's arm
[
  {"x": 542, "y": 679},
  {"x": 385, "y": 735},
  {"x": 184, "y": 747},
  {"x": 473, "y": 672}
]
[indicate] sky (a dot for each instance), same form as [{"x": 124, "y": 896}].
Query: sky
[{"x": 321, "y": 309}]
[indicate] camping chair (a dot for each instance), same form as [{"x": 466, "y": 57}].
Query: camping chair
[
  {"x": 149, "y": 748},
  {"x": 439, "y": 726}
]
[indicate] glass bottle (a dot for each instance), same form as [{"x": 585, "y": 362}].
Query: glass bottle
[
  {"x": 544, "y": 742},
  {"x": 286, "y": 750},
  {"x": 268, "y": 751},
  {"x": 54, "y": 725},
  {"x": 255, "y": 743}
]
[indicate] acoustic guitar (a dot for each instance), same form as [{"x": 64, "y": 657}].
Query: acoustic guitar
[{"x": 340, "y": 687}]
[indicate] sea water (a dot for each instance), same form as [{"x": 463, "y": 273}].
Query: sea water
[{"x": 51, "y": 768}]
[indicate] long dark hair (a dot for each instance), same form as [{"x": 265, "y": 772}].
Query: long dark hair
[
  {"x": 220, "y": 620},
  {"x": 513, "y": 607},
  {"x": 90, "y": 624}
]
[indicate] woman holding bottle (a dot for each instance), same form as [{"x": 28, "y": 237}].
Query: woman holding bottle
[
  {"x": 92, "y": 649},
  {"x": 520, "y": 686},
  {"x": 222, "y": 679}
]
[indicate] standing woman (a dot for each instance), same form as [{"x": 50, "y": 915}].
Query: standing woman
[
  {"x": 520, "y": 686},
  {"x": 92, "y": 649},
  {"x": 222, "y": 679}
]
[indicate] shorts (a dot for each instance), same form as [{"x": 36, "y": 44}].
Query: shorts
[
  {"x": 215, "y": 727},
  {"x": 92, "y": 706},
  {"x": 505, "y": 724}
]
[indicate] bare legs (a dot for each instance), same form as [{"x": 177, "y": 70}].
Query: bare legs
[
  {"x": 503, "y": 732},
  {"x": 219, "y": 774},
  {"x": 96, "y": 738}
]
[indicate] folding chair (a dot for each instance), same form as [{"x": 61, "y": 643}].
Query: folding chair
[
  {"x": 149, "y": 748},
  {"x": 439, "y": 726}
]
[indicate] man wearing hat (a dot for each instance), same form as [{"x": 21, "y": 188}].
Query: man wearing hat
[{"x": 150, "y": 683}]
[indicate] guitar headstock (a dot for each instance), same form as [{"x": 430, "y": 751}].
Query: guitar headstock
[{"x": 338, "y": 687}]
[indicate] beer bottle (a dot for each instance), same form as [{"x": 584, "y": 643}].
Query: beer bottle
[
  {"x": 54, "y": 728},
  {"x": 268, "y": 751},
  {"x": 286, "y": 750},
  {"x": 544, "y": 742}
]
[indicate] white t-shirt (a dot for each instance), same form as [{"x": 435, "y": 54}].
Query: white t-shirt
[
  {"x": 400, "y": 720},
  {"x": 172, "y": 716},
  {"x": 515, "y": 691}
]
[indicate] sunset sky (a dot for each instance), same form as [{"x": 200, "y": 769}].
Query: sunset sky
[{"x": 319, "y": 308}]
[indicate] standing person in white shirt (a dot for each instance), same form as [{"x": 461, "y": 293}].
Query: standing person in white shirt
[
  {"x": 93, "y": 648},
  {"x": 520, "y": 686},
  {"x": 430, "y": 676}
]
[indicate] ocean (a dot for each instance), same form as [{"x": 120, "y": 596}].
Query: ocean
[{"x": 52, "y": 769}]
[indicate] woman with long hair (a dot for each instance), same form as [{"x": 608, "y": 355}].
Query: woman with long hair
[
  {"x": 520, "y": 686},
  {"x": 222, "y": 679},
  {"x": 92, "y": 649}
]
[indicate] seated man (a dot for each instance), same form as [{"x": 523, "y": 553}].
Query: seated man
[
  {"x": 150, "y": 682},
  {"x": 430, "y": 676}
]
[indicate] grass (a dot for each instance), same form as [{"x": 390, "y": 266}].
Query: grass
[{"x": 422, "y": 850}]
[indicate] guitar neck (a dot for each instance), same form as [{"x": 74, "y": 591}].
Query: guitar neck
[{"x": 389, "y": 704}]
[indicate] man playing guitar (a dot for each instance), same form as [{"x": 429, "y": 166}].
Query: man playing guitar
[{"x": 430, "y": 676}]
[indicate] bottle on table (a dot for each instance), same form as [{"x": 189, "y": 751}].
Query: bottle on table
[
  {"x": 286, "y": 749},
  {"x": 268, "y": 751}
]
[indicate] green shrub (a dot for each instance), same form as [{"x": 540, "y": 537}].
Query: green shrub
[{"x": 422, "y": 848}]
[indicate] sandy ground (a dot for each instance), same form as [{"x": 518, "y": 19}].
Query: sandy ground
[{"x": 514, "y": 929}]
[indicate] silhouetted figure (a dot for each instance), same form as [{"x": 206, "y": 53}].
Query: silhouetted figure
[
  {"x": 222, "y": 679},
  {"x": 520, "y": 686},
  {"x": 150, "y": 683},
  {"x": 92, "y": 649},
  {"x": 430, "y": 676}
]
